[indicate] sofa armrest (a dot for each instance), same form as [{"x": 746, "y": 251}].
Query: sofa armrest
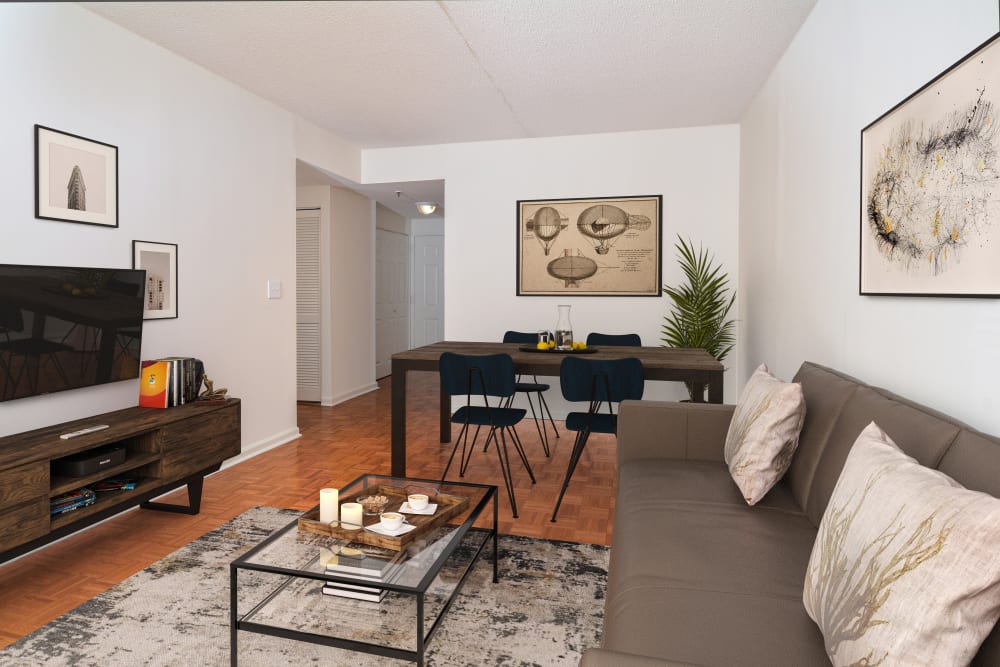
[
  {"x": 602, "y": 657},
  {"x": 668, "y": 430}
]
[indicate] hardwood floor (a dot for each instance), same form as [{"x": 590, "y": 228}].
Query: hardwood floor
[{"x": 337, "y": 445}]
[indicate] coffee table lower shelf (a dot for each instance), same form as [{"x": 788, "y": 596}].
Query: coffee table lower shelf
[{"x": 281, "y": 587}]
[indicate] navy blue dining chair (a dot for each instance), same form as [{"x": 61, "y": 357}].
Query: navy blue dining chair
[
  {"x": 596, "y": 382},
  {"x": 484, "y": 377},
  {"x": 625, "y": 340},
  {"x": 534, "y": 387}
]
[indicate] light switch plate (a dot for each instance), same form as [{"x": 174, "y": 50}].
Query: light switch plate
[{"x": 273, "y": 289}]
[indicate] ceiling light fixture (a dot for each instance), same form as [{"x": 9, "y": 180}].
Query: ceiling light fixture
[{"x": 425, "y": 207}]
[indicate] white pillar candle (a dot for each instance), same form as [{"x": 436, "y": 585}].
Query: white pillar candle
[
  {"x": 350, "y": 516},
  {"x": 328, "y": 505}
]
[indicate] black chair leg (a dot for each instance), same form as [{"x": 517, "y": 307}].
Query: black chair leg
[
  {"x": 520, "y": 450},
  {"x": 541, "y": 399},
  {"x": 578, "y": 445},
  {"x": 466, "y": 459},
  {"x": 543, "y": 433},
  {"x": 459, "y": 439},
  {"x": 504, "y": 458}
]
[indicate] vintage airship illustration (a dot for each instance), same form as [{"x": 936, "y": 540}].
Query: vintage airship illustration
[
  {"x": 572, "y": 268},
  {"x": 546, "y": 225},
  {"x": 604, "y": 224}
]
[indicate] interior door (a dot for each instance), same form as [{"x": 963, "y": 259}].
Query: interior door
[
  {"x": 392, "y": 298},
  {"x": 428, "y": 290},
  {"x": 307, "y": 303}
]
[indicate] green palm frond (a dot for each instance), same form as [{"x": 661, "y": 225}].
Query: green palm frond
[{"x": 700, "y": 305}]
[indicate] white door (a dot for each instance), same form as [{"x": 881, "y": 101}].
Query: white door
[
  {"x": 307, "y": 303},
  {"x": 428, "y": 290},
  {"x": 392, "y": 298}
]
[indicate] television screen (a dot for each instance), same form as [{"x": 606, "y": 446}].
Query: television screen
[{"x": 68, "y": 327}]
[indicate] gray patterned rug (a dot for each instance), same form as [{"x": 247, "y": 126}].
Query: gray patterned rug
[{"x": 546, "y": 610}]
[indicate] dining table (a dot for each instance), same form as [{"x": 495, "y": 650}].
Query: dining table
[{"x": 674, "y": 364}]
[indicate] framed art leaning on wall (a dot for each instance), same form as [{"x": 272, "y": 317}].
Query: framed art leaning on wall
[
  {"x": 930, "y": 202},
  {"x": 160, "y": 263},
  {"x": 76, "y": 179},
  {"x": 603, "y": 246}
]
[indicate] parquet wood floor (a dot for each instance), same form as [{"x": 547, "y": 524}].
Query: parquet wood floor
[{"x": 337, "y": 445}]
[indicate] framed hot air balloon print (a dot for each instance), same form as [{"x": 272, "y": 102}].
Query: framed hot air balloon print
[{"x": 603, "y": 246}]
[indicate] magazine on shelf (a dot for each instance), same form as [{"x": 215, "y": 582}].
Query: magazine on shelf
[
  {"x": 345, "y": 591},
  {"x": 365, "y": 560}
]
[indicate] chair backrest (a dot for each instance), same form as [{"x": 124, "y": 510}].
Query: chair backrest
[
  {"x": 478, "y": 375},
  {"x": 624, "y": 340},
  {"x": 613, "y": 380},
  {"x": 521, "y": 337}
]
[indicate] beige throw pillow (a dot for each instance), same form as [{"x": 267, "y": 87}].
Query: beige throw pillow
[
  {"x": 906, "y": 566},
  {"x": 764, "y": 433}
]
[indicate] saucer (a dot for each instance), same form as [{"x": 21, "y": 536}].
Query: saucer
[
  {"x": 379, "y": 530},
  {"x": 406, "y": 509}
]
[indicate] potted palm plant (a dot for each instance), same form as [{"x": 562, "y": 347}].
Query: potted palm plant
[{"x": 701, "y": 305}]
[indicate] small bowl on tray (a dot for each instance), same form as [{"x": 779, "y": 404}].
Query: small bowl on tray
[{"x": 373, "y": 505}]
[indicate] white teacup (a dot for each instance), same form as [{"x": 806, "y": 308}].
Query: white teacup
[
  {"x": 391, "y": 520},
  {"x": 418, "y": 501}
]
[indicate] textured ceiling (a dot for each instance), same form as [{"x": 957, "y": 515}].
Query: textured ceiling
[{"x": 408, "y": 73}]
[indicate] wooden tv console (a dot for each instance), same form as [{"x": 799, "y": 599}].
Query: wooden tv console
[{"x": 164, "y": 449}]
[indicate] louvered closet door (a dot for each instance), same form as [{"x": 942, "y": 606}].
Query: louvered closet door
[{"x": 307, "y": 303}]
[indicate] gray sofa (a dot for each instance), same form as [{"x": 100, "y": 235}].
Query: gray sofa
[{"x": 697, "y": 577}]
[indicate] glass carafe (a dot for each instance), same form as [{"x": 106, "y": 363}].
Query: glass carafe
[{"x": 564, "y": 329}]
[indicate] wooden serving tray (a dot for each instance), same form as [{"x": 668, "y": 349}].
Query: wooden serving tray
[{"x": 448, "y": 506}]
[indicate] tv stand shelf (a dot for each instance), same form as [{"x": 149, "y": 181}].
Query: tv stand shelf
[{"x": 164, "y": 450}]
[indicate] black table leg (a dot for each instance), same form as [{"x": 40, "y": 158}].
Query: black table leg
[{"x": 398, "y": 419}]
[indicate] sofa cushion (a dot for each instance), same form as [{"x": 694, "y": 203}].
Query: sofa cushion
[
  {"x": 922, "y": 433},
  {"x": 826, "y": 392},
  {"x": 763, "y": 433},
  {"x": 698, "y": 559},
  {"x": 906, "y": 565}
]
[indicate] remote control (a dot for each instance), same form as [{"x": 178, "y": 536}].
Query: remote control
[{"x": 83, "y": 431}]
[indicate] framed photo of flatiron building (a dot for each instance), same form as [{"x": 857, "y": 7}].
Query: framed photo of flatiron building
[
  {"x": 595, "y": 246},
  {"x": 159, "y": 260},
  {"x": 76, "y": 178}
]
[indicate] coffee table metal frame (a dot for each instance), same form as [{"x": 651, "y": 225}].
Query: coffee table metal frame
[{"x": 245, "y": 562}]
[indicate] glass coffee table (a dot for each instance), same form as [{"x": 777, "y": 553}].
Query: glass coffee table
[{"x": 278, "y": 587}]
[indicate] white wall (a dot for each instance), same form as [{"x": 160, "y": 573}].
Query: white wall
[
  {"x": 352, "y": 295},
  {"x": 202, "y": 163},
  {"x": 695, "y": 169},
  {"x": 799, "y": 210}
]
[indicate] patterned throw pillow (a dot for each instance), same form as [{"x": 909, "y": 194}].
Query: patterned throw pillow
[
  {"x": 906, "y": 566},
  {"x": 764, "y": 433}
]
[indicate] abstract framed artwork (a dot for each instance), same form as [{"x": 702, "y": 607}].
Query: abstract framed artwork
[
  {"x": 597, "y": 246},
  {"x": 930, "y": 203},
  {"x": 76, "y": 179},
  {"x": 159, "y": 260}
]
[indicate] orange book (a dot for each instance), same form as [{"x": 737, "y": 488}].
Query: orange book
[{"x": 153, "y": 382}]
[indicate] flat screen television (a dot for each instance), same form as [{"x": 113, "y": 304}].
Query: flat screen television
[{"x": 65, "y": 327}]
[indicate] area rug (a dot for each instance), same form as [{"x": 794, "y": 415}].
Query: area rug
[{"x": 545, "y": 611}]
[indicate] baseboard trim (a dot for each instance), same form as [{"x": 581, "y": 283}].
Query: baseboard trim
[
  {"x": 330, "y": 401},
  {"x": 261, "y": 446}
]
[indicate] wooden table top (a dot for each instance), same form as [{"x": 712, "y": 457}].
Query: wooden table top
[{"x": 655, "y": 360}]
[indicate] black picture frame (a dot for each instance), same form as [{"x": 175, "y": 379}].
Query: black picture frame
[
  {"x": 159, "y": 260},
  {"x": 929, "y": 216},
  {"x": 76, "y": 178}
]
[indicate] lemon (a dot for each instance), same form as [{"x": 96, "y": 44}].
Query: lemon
[
  {"x": 542, "y": 346},
  {"x": 552, "y": 344}
]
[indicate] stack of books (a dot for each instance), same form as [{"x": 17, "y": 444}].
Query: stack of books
[
  {"x": 366, "y": 563},
  {"x": 170, "y": 381}
]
